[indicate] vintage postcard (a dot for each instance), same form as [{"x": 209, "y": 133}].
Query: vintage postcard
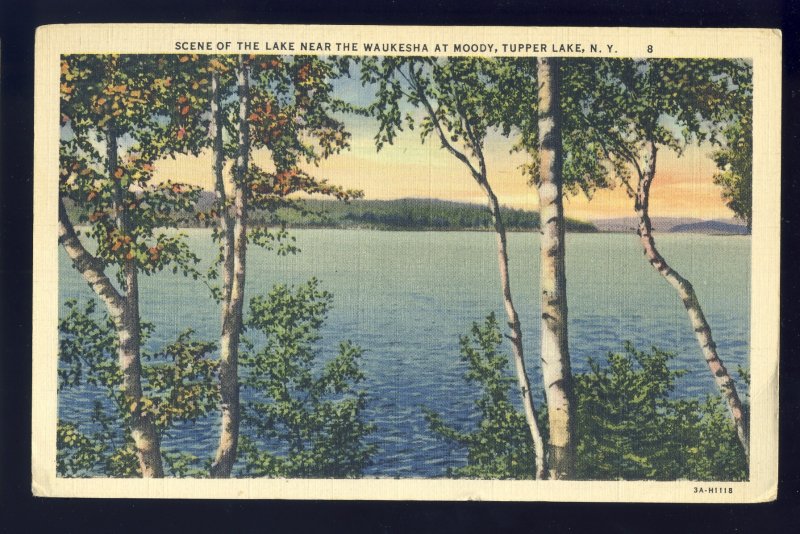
[{"x": 406, "y": 263}]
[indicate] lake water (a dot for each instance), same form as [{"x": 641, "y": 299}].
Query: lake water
[{"x": 406, "y": 297}]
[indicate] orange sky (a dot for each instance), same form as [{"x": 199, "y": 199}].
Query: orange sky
[{"x": 682, "y": 187}]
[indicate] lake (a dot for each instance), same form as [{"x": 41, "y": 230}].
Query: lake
[{"x": 406, "y": 297}]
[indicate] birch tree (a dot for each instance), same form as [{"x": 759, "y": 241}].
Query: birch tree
[
  {"x": 180, "y": 383},
  {"x": 538, "y": 106},
  {"x": 282, "y": 105},
  {"x": 234, "y": 229},
  {"x": 116, "y": 121},
  {"x": 456, "y": 96},
  {"x": 552, "y": 273},
  {"x": 637, "y": 108}
]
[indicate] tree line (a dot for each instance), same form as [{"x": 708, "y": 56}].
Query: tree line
[
  {"x": 399, "y": 214},
  {"x": 584, "y": 124}
]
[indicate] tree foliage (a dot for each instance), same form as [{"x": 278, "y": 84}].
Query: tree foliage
[
  {"x": 314, "y": 419},
  {"x": 112, "y": 99},
  {"x": 292, "y": 117},
  {"x": 632, "y": 428},
  {"x": 629, "y": 425},
  {"x": 310, "y": 414},
  {"x": 117, "y": 119},
  {"x": 180, "y": 389},
  {"x": 515, "y": 111},
  {"x": 467, "y": 99},
  {"x": 500, "y": 446},
  {"x": 735, "y": 162},
  {"x": 621, "y": 104}
]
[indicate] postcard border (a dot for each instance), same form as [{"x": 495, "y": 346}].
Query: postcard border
[{"x": 762, "y": 45}]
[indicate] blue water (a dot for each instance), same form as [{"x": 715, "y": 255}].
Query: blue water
[{"x": 405, "y": 297}]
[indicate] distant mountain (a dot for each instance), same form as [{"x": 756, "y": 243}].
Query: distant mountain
[
  {"x": 407, "y": 214},
  {"x": 630, "y": 224},
  {"x": 674, "y": 224},
  {"x": 713, "y": 227},
  {"x": 401, "y": 214}
]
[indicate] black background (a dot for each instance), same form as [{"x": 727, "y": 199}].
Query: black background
[{"x": 20, "y": 512}]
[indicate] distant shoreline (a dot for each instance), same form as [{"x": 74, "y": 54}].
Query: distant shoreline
[
  {"x": 453, "y": 230},
  {"x": 433, "y": 215}
]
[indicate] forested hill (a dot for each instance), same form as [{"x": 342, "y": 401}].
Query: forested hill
[
  {"x": 408, "y": 214},
  {"x": 403, "y": 214}
]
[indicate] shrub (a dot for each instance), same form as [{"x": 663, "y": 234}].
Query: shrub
[
  {"x": 312, "y": 422},
  {"x": 628, "y": 425},
  {"x": 178, "y": 383},
  {"x": 631, "y": 428},
  {"x": 500, "y": 447}
]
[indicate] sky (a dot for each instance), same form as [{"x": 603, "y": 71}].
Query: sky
[{"x": 683, "y": 187}]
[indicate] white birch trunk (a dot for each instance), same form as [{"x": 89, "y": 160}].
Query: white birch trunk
[
  {"x": 480, "y": 176},
  {"x": 124, "y": 312},
  {"x": 516, "y": 333},
  {"x": 686, "y": 292},
  {"x": 225, "y": 219},
  {"x": 552, "y": 277},
  {"x": 232, "y": 309}
]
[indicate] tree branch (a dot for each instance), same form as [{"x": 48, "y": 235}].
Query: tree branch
[
  {"x": 609, "y": 157},
  {"x": 621, "y": 148},
  {"x": 91, "y": 268},
  {"x": 409, "y": 82},
  {"x": 476, "y": 146},
  {"x": 442, "y": 135}
]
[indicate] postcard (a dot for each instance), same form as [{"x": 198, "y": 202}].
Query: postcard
[{"x": 406, "y": 263}]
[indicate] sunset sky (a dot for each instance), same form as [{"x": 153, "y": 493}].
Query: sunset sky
[{"x": 683, "y": 186}]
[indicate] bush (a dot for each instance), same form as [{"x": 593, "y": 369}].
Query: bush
[
  {"x": 500, "y": 448},
  {"x": 312, "y": 423},
  {"x": 179, "y": 383},
  {"x": 628, "y": 426}
]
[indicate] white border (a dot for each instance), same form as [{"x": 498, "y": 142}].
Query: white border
[{"x": 763, "y": 46}]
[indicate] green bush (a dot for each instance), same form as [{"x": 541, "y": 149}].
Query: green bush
[
  {"x": 500, "y": 447},
  {"x": 628, "y": 426},
  {"x": 179, "y": 384},
  {"x": 312, "y": 421}
]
